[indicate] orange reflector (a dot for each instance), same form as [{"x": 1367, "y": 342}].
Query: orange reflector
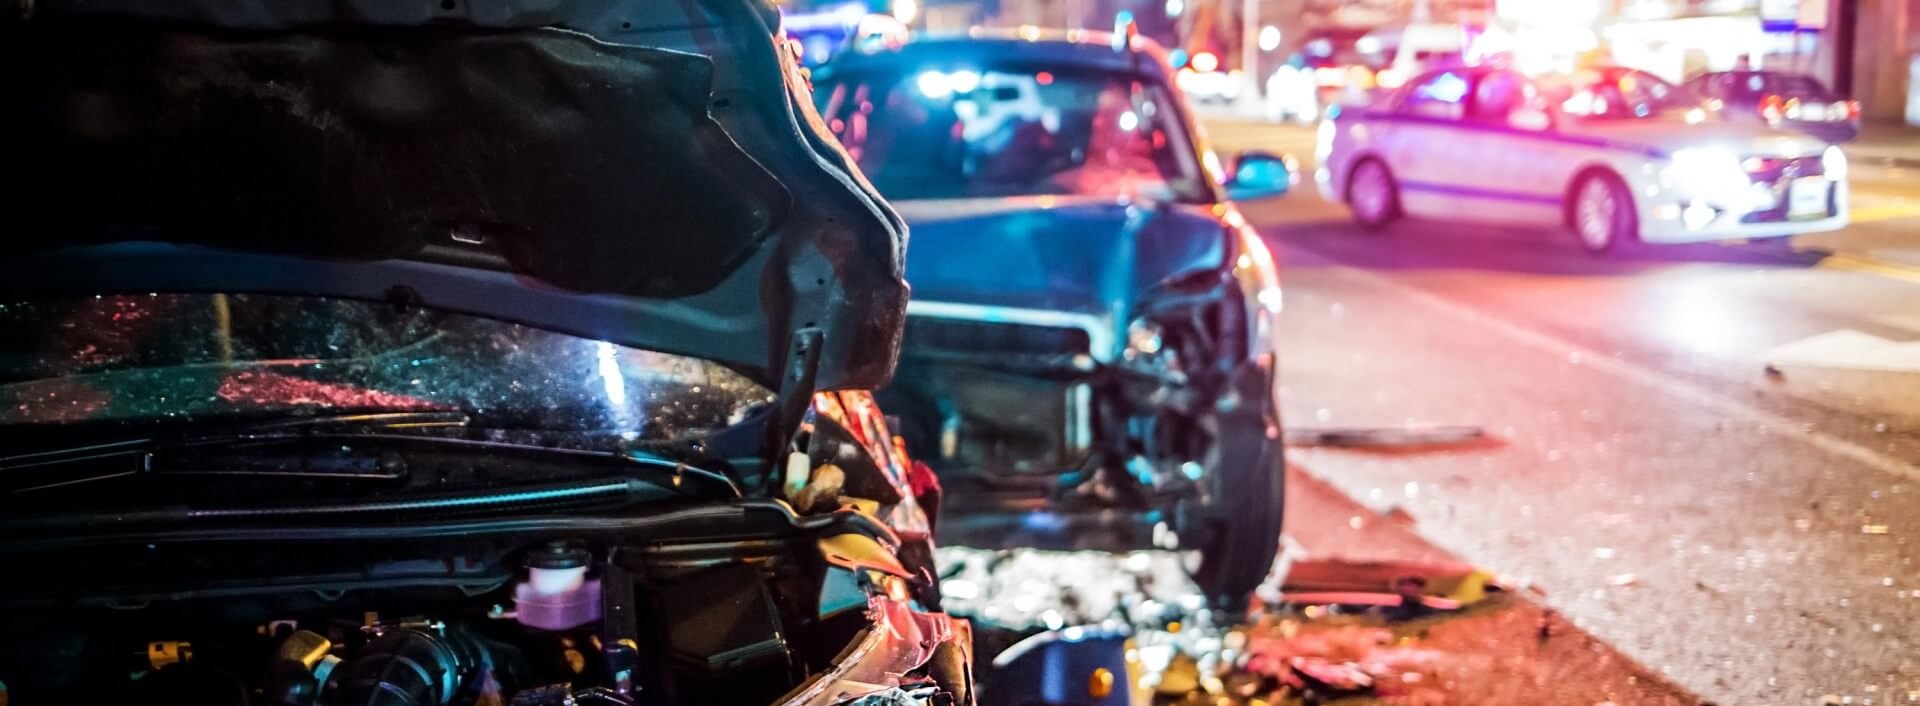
[{"x": 1100, "y": 683}]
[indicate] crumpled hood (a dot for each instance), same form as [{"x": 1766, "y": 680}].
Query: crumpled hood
[
  {"x": 1667, "y": 134},
  {"x": 1079, "y": 255},
  {"x": 644, "y": 173}
]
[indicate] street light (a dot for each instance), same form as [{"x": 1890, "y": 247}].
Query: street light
[
  {"x": 1175, "y": 7},
  {"x": 1269, "y": 38}
]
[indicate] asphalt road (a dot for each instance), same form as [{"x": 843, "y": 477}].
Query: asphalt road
[{"x": 1707, "y": 456}]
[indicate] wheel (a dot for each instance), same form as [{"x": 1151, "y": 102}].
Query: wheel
[
  {"x": 1602, "y": 214},
  {"x": 1373, "y": 195},
  {"x": 1239, "y": 537}
]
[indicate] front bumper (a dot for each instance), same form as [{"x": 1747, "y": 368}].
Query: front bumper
[
  {"x": 1729, "y": 228},
  {"x": 1673, "y": 217}
]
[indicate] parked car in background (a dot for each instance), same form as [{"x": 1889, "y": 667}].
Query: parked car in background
[
  {"x": 1614, "y": 155},
  {"x": 352, "y": 354},
  {"x": 1793, "y": 101},
  {"x": 1421, "y": 47},
  {"x": 1333, "y": 67},
  {"x": 1089, "y": 356}
]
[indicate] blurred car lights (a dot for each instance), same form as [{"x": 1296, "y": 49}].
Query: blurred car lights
[
  {"x": 1833, "y": 163},
  {"x": 1707, "y": 169},
  {"x": 1698, "y": 215},
  {"x": 1773, "y": 108},
  {"x": 964, "y": 81},
  {"x": 934, "y": 84},
  {"x": 1143, "y": 338},
  {"x": 1360, "y": 77}
]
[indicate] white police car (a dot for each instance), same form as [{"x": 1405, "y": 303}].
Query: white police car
[{"x": 1613, "y": 154}]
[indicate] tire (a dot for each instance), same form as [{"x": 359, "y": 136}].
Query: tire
[
  {"x": 1372, "y": 194},
  {"x": 1240, "y": 539},
  {"x": 1601, "y": 214}
]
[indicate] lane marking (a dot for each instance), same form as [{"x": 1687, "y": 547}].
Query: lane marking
[
  {"x": 1646, "y": 377},
  {"x": 1855, "y": 263},
  {"x": 1883, "y": 212}
]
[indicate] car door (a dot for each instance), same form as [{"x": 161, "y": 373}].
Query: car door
[
  {"x": 1512, "y": 171},
  {"x": 1423, "y": 148}
]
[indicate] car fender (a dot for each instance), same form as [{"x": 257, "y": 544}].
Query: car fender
[{"x": 1640, "y": 174}]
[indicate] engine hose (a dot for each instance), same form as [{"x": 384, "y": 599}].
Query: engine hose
[{"x": 405, "y": 667}]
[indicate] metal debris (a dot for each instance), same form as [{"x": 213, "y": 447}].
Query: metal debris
[{"x": 1387, "y": 437}]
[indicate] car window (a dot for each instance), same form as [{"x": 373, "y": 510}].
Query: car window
[
  {"x": 1442, "y": 95},
  {"x": 1614, "y": 94},
  {"x": 1496, "y": 96}
]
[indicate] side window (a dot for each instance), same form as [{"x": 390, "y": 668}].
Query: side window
[
  {"x": 1496, "y": 96},
  {"x": 1442, "y": 95}
]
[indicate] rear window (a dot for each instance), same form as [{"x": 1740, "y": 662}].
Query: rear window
[{"x": 1767, "y": 84}]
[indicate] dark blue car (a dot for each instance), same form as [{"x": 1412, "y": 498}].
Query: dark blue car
[{"x": 1089, "y": 357}]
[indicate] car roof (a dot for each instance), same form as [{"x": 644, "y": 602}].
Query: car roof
[{"x": 1030, "y": 45}]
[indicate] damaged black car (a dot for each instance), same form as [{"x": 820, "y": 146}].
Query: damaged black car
[
  {"x": 447, "y": 352},
  {"x": 1090, "y": 354}
]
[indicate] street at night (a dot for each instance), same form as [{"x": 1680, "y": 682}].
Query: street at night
[
  {"x": 1702, "y": 454},
  {"x": 960, "y": 353}
]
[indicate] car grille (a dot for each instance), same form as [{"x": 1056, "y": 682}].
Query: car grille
[
  {"x": 1778, "y": 173},
  {"x": 1779, "y": 170},
  {"x": 960, "y": 336}
]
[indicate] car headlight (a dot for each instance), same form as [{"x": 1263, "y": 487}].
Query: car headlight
[
  {"x": 1834, "y": 163},
  {"x": 1143, "y": 338},
  {"x": 1707, "y": 169}
]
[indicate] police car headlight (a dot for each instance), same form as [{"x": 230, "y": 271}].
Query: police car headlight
[
  {"x": 1834, "y": 163},
  {"x": 1707, "y": 169}
]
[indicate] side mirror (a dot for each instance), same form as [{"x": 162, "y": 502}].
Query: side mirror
[{"x": 1261, "y": 175}]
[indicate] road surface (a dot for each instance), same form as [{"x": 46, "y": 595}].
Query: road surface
[{"x": 1707, "y": 456}]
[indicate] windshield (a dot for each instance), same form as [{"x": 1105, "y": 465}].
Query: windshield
[
  {"x": 1615, "y": 95},
  {"x": 934, "y": 133},
  {"x": 195, "y": 357}
]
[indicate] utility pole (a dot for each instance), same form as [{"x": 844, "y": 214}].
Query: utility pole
[{"x": 1250, "y": 50}]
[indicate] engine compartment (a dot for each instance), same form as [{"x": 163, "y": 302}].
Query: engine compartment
[{"x": 590, "y": 618}]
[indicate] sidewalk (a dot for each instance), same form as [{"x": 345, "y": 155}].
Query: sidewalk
[{"x": 1891, "y": 144}]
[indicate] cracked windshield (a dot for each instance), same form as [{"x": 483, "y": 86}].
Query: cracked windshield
[{"x": 961, "y": 353}]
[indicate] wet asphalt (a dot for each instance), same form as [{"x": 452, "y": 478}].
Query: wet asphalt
[{"x": 1707, "y": 456}]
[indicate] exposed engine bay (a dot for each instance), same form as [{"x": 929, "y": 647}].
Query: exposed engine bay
[
  {"x": 253, "y": 586},
  {"x": 476, "y": 620}
]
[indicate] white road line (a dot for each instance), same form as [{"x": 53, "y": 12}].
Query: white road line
[{"x": 1647, "y": 377}]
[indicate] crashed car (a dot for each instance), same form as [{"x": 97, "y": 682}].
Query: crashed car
[
  {"x": 1089, "y": 356},
  {"x": 359, "y": 352}
]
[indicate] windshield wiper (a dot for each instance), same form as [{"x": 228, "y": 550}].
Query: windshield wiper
[{"x": 135, "y": 456}]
